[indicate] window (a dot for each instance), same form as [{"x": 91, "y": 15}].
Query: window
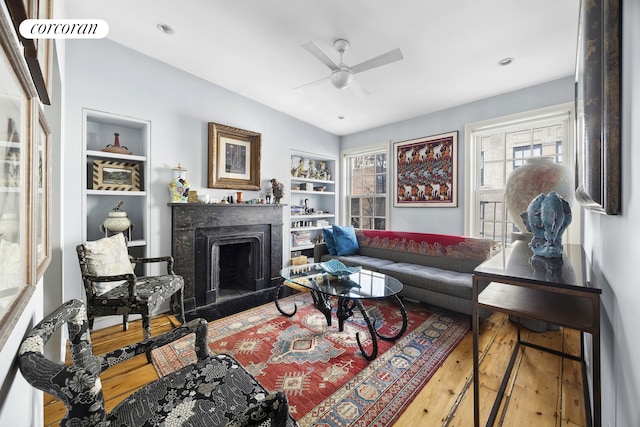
[
  {"x": 366, "y": 203},
  {"x": 498, "y": 147}
]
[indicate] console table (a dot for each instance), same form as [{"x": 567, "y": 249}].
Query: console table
[{"x": 551, "y": 290}]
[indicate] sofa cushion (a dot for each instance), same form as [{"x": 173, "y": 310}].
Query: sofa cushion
[
  {"x": 329, "y": 240},
  {"x": 346, "y": 241},
  {"x": 431, "y": 278}
]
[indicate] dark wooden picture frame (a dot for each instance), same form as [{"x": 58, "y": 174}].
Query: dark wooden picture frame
[
  {"x": 36, "y": 52},
  {"x": 116, "y": 176},
  {"x": 234, "y": 158},
  {"x": 598, "y": 106},
  {"x": 426, "y": 171}
]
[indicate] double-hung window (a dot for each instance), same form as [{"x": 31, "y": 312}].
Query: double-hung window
[
  {"x": 366, "y": 188},
  {"x": 494, "y": 149}
]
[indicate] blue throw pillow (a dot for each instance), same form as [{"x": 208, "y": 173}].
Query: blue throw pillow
[
  {"x": 329, "y": 240},
  {"x": 346, "y": 241}
]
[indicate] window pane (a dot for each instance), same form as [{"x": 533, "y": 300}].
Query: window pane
[
  {"x": 367, "y": 207},
  {"x": 355, "y": 221},
  {"x": 491, "y": 207},
  {"x": 379, "y": 224},
  {"x": 355, "y": 206},
  {"x": 369, "y": 186},
  {"x": 381, "y": 184},
  {"x": 493, "y": 175},
  {"x": 381, "y": 163},
  {"x": 366, "y": 223},
  {"x": 492, "y": 147},
  {"x": 381, "y": 206}
]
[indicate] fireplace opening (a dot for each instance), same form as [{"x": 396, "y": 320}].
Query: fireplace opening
[{"x": 235, "y": 268}]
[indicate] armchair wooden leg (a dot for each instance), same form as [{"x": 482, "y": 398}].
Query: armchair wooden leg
[
  {"x": 146, "y": 326},
  {"x": 125, "y": 322}
]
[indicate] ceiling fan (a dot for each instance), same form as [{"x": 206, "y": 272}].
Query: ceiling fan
[{"x": 341, "y": 74}]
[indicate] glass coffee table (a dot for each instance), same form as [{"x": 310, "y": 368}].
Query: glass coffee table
[{"x": 350, "y": 290}]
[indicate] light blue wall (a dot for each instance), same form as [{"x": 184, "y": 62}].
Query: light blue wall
[
  {"x": 611, "y": 243},
  {"x": 106, "y": 76},
  {"x": 451, "y": 220}
]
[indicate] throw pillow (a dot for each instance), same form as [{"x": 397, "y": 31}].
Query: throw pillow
[
  {"x": 329, "y": 240},
  {"x": 107, "y": 257},
  {"x": 346, "y": 241}
]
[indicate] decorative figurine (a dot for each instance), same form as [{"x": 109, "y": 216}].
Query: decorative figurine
[
  {"x": 547, "y": 217},
  {"x": 300, "y": 171},
  {"x": 313, "y": 171},
  {"x": 323, "y": 172},
  {"x": 278, "y": 190}
]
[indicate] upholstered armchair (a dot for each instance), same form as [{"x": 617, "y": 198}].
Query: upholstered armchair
[
  {"x": 112, "y": 288},
  {"x": 214, "y": 391}
]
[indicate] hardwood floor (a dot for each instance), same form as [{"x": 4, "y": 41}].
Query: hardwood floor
[{"x": 548, "y": 390}]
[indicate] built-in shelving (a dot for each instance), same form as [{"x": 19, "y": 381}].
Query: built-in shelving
[
  {"x": 135, "y": 134},
  {"x": 308, "y": 219}
]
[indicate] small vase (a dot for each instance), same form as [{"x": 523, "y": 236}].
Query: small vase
[
  {"x": 179, "y": 186},
  {"x": 539, "y": 175},
  {"x": 116, "y": 222},
  {"x": 239, "y": 197}
]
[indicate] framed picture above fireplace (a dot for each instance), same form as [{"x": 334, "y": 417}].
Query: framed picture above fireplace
[{"x": 234, "y": 158}]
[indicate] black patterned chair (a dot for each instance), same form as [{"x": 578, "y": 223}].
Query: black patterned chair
[
  {"x": 112, "y": 288},
  {"x": 214, "y": 391}
]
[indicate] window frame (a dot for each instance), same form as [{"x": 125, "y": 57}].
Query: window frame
[
  {"x": 534, "y": 118},
  {"x": 345, "y": 185}
]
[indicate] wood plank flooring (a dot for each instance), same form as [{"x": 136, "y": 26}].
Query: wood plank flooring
[{"x": 545, "y": 390}]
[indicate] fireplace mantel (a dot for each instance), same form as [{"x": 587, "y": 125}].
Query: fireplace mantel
[{"x": 193, "y": 222}]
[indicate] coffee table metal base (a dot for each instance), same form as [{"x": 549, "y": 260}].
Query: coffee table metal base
[{"x": 345, "y": 309}]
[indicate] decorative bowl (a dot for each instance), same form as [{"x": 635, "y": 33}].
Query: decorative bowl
[
  {"x": 319, "y": 188},
  {"x": 338, "y": 269}
]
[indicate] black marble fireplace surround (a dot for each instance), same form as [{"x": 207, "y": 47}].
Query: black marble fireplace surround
[{"x": 230, "y": 256}]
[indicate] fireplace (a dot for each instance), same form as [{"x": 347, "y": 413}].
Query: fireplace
[{"x": 230, "y": 256}]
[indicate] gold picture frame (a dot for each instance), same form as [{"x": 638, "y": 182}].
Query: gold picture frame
[
  {"x": 234, "y": 158},
  {"x": 116, "y": 176}
]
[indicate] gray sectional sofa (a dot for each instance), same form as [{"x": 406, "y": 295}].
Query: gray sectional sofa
[{"x": 434, "y": 268}]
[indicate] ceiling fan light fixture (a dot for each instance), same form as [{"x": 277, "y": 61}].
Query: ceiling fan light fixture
[{"x": 341, "y": 78}]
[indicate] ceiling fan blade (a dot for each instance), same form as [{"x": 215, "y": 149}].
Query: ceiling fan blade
[
  {"x": 378, "y": 61},
  {"x": 315, "y": 50},
  {"x": 311, "y": 84}
]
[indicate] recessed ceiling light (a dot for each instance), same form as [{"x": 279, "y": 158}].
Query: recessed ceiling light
[
  {"x": 504, "y": 62},
  {"x": 341, "y": 117},
  {"x": 165, "y": 28}
]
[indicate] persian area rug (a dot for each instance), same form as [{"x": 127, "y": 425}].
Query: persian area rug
[{"x": 323, "y": 373}]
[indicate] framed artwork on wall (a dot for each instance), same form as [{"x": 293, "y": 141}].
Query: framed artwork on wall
[
  {"x": 41, "y": 188},
  {"x": 112, "y": 175},
  {"x": 598, "y": 106},
  {"x": 426, "y": 171},
  {"x": 17, "y": 99},
  {"x": 234, "y": 158}
]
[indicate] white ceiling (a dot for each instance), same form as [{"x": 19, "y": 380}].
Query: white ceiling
[{"x": 451, "y": 49}]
